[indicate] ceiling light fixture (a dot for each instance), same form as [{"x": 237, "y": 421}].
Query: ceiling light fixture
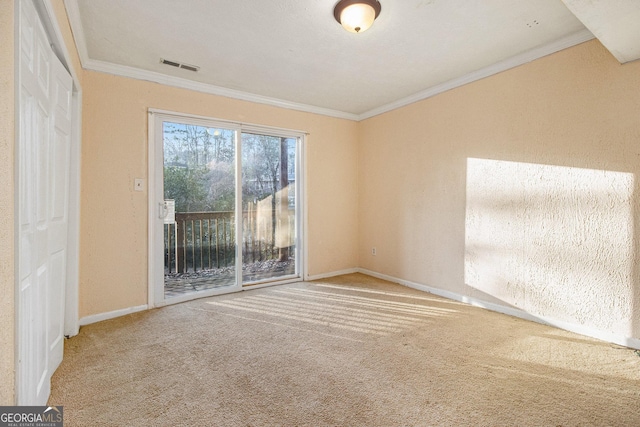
[{"x": 356, "y": 16}]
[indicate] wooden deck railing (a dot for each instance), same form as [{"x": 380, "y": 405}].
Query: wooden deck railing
[{"x": 206, "y": 240}]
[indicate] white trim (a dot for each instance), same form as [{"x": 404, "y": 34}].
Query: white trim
[
  {"x": 413, "y": 285},
  {"x": 258, "y": 285},
  {"x": 571, "y": 327},
  {"x": 301, "y": 207},
  {"x": 230, "y": 289},
  {"x": 152, "y": 275},
  {"x": 72, "y": 289},
  {"x": 511, "y": 311},
  {"x": 17, "y": 58},
  {"x": 224, "y": 290},
  {"x": 515, "y": 61},
  {"x": 73, "y": 13},
  {"x": 135, "y": 73},
  {"x": 95, "y": 318},
  {"x": 197, "y": 119},
  {"x": 155, "y": 77},
  {"x": 332, "y": 274},
  {"x": 238, "y": 214},
  {"x": 272, "y": 131},
  {"x": 139, "y": 74},
  {"x": 59, "y": 46}
]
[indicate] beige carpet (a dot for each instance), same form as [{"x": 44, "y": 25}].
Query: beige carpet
[{"x": 348, "y": 351}]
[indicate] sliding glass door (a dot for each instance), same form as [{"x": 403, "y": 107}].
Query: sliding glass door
[
  {"x": 200, "y": 198},
  {"x": 228, "y": 204},
  {"x": 268, "y": 207}
]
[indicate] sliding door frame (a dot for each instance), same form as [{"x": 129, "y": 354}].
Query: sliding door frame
[{"x": 155, "y": 197}]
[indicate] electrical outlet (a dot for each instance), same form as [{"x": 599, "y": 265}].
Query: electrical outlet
[{"x": 373, "y": 250}]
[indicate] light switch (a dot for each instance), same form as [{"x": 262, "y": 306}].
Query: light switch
[{"x": 138, "y": 184}]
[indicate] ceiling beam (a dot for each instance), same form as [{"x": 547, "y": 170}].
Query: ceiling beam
[{"x": 614, "y": 23}]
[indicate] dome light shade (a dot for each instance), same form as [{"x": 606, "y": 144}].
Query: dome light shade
[{"x": 356, "y": 16}]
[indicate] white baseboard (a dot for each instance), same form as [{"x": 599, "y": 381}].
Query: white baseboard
[
  {"x": 511, "y": 311},
  {"x": 94, "y": 318},
  {"x": 331, "y": 274}
]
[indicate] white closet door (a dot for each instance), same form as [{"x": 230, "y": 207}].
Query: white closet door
[
  {"x": 58, "y": 187},
  {"x": 43, "y": 183}
]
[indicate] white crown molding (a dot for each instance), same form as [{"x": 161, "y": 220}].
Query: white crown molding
[
  {"x": 515, "y": 61},
  {"x": 139, "y": 74},
  {"x": 73, "y": 13},
  {"x": 152, "y": 76}
]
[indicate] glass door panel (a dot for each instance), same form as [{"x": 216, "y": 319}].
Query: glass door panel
[
  {"x": 268, "y": 207},
  {"x": 199, "y": 208},
  {"x": 227, "y": 197}
]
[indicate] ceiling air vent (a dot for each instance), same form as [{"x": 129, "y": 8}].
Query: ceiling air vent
[{"x": 179, "y": 65}]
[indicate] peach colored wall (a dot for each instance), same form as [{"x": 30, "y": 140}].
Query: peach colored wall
[
  {"x": 113, "y": 265},
  {"x": 520, "y": 189},
  {"x": 7, "y": 141}
]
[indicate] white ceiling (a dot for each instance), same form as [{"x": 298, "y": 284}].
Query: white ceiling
[{"x": 294, "y": 54}]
